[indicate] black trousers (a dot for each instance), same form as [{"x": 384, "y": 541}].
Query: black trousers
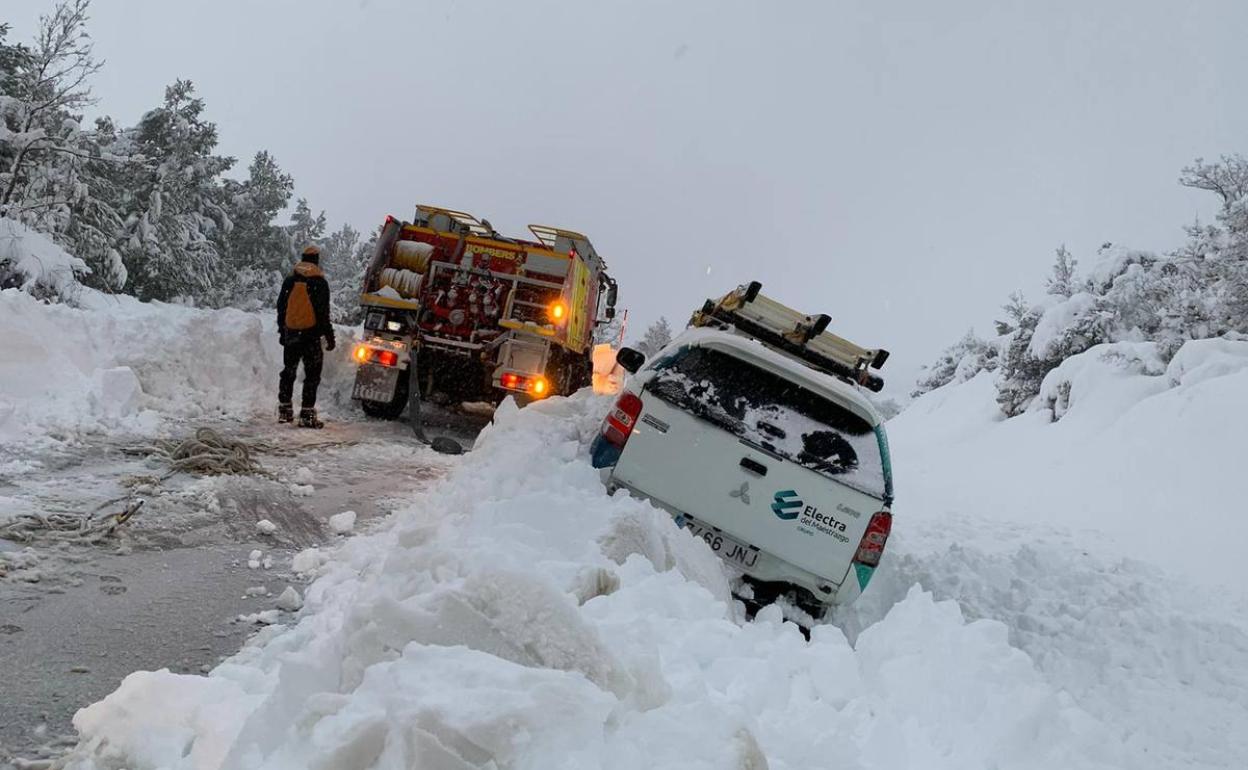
[{"x": 305, "y": 348}]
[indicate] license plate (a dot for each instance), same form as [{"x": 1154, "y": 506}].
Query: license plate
[
  {"x": 725, "y": 547},
  {"x": 376, "y": 383}
]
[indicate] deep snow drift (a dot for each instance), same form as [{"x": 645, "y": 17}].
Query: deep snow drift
[{"x": 515, "y": 615}]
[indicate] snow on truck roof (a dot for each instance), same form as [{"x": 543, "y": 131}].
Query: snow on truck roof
[{"x": 756, "y": 352}]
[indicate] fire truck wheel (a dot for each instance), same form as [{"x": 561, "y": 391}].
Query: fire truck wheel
[{"x": 574, "y": 373}]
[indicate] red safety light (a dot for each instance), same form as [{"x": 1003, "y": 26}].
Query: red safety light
[
  {"x": 387, "y": 357},
  {"x": 874, "y": 539},
  {"x": 389, "y": 218},
  {"x": 512, "y": 381},
  {"x": 621, "y": 419}
]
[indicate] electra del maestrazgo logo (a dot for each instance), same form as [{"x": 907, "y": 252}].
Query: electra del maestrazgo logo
[{"x": 786, "y": 504}]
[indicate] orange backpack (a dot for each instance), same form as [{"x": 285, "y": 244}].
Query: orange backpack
[{"x": 299, "y": 313}]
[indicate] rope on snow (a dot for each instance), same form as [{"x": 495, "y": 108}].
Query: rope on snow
[{"x": 78, "y": 527}]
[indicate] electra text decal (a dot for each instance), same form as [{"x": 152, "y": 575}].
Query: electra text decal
[{"x": 813, "y": 518}]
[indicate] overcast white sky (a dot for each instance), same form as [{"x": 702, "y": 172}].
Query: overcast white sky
[{"x": 902, "y": 166}]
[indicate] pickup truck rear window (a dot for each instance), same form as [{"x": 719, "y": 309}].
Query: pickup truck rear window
[{"x": 766, "y": 410}]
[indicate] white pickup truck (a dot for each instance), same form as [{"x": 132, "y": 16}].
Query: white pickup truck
[{"x": 750, "y": 428}]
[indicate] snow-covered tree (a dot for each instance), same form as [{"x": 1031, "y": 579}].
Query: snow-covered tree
[
  {"x": 305, "y": 227},
  {"x": 958, "y": 363},
  {"x": 93, "y": 229},
  {"x": 656, "y": 337},
  {"x": 345, "y": 255},
  {"x": 256, "y": 256},
  {"x": 45, "y": 87},
  {"x": 1021, "y": 374},
  {"x": 1062, "y": 282},
  {"x": 1228, "y": 178},
  {"x": 176, "y": 211},
  {"x": 1220, "y": 252},
  {"x": 56, "y": 177}
]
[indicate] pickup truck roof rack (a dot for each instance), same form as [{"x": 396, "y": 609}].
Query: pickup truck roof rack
[{"x": 800, "y": 336}]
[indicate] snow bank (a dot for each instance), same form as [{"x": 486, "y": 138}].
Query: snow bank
[
  {"x": 125, "y": 365},
  {"x": 1102, "y": 382},
  {"x": 36, "y": 263},
  {"x": 1142, "y": 458},
  {"x": 1094, "y": 526},
  {"x": 516, "y": 617}
]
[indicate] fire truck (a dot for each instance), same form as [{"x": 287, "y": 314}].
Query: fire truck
[{"x": 454, "y": 312}]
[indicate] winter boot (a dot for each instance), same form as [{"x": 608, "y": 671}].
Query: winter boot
[
  {"x": 285, "y": 413},
  {"x": 308, "y": 419}
]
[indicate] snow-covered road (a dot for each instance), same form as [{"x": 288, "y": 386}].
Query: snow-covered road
[{"x": 167, "y": 591}]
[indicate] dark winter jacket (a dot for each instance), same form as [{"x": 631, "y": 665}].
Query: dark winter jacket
[{"x": 303, "y": 305}]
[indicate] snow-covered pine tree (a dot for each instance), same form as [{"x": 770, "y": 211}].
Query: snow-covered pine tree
[
  {"x": 1220, "y": 251},
  {"x": 1021, "y": 374},
  {"x": 1062, "y": 282},
  {"x": 176, "y": 212},
  {"x": 344, "y": 258},
  {"x": 656, "y": 337},
  {"x": 94, "y": 228},
  {"x": 257, "y": 251},
  {"x": 304, "y": 227}
]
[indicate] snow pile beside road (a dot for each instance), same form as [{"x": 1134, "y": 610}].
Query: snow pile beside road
[
  {"x": 125, "y": 365},
  {"x": 514, "y": 616}
]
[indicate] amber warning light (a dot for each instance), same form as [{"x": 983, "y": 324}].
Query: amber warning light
[
  {"x": 536, "y": 386},
  {"x": 364, "y": 354}
]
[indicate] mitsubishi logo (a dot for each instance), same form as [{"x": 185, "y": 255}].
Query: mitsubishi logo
[{"x": 743, "y": 494}]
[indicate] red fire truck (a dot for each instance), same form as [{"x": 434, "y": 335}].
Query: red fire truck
[{"x": 483, "y": 315}]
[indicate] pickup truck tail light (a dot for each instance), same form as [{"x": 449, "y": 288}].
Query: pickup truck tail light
[
  {"x": 874, "y": 539},
  {"x": 621, "y": 419}
]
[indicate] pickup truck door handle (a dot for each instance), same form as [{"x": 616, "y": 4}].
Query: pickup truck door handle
[{"x": 753, "y": 466}]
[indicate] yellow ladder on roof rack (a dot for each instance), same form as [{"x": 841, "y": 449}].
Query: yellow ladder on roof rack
[{"x": 802, "y": 336}]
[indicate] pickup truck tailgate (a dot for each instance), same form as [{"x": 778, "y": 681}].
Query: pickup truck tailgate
[{"x": 776, "y": 505}]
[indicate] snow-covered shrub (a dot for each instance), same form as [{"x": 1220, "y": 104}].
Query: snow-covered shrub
[
  {"x": 958, "y": 363},
  {"x": 1198, "y": 292},
  {"x": 1081, "y": 376},
  {"x": 33, "y": 263}
]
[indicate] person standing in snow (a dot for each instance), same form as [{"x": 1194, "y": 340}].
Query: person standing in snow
[{"x": 302, "y": 320}]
